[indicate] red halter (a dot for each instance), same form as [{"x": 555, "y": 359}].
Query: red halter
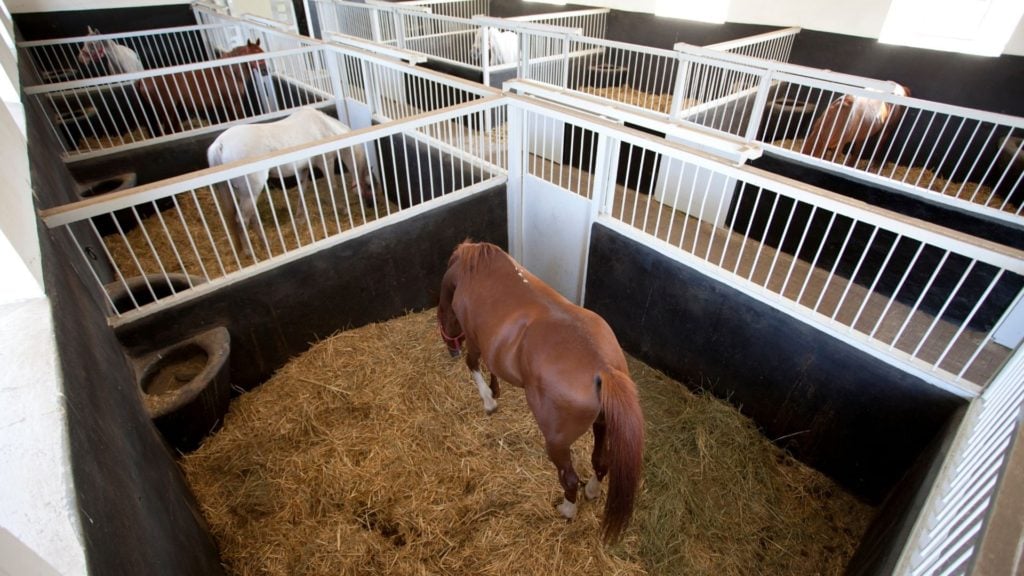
[{"x": 454, "y": 341}]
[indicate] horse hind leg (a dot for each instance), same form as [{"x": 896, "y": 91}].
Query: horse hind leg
[{"x": 561, "y": 457}]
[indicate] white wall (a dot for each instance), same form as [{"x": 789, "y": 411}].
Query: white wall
[
  {"x": 39, "y": 528},
  {"x": 59, "y": 5},
  {"x": 863, "y": 18}
]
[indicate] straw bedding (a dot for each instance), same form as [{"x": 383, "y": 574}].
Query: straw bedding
[
  {"x": 919, "y": 176},
  {"x": 177, "y": 235},
  {"x": 371, "y": 454},
  {"x": 629, "y": 95}
]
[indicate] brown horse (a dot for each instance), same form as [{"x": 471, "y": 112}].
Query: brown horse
[
  {"x": 565, "y": 357},
  {"x": 849, "y": 123},
  {"x": 219, "y": 93}
]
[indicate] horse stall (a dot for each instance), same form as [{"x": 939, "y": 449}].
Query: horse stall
[
  {"x": 189, "y": 80},
  {"x": 949, "y": 164},
  {"x": 453, "y": 43},
  {"x": 368, "y": 451}
]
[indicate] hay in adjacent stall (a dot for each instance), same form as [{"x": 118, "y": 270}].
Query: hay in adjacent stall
[
  {"x": 919, "y": 177},
  {"x": 371, "y": 454},
  {"x": 629, "y": 95},
  {"x": 190, "y": 235}
]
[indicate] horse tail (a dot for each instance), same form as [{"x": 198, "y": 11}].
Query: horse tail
[
  {"x": 215, "y": 153},
  {"x": 625, "y": 437}
]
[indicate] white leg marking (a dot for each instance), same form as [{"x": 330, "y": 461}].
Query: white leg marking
[
  {"x": 568, "y": 509},
  {"x": 490, "y": 405},
  {"x": 593, "y": 488}
]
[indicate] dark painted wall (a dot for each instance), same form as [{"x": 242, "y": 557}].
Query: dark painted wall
[
  {"x": 838, "y": 409},
  {"x": 994, "y": 84},
  {"x": 44, "y": 25},
  {"x": 276, "y": 315},
  {"x": 880, "y": 549},
  {"x": 987, "y": 83},
  {"x": 650, "y": 30},
  {"x": 137, "y": 514}
]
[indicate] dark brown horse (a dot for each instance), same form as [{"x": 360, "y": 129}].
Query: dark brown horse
[
  {"x": 219, "y": 94},
  {"x": 567, "y": 360}
]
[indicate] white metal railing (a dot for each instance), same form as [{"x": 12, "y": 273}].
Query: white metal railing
[
  {"x": 369, "y": 21},
  {"x": 457, "y": 8},
  {"x": 868, "y": 129},
  {"x": 730, "y": 148},
  {"x": 950, "y": 155},
  {"x": 58, "y": 60},
  {"x": 932, "y": 301},
  {"x": 950, "y": 527},
  {"x": 158, "y": 243},
  {"x": 382, "y": 49},
  {"x": 104, "y": 116},
  {"x": 775, "y": 45},
  {"x": 592, "y": 23},
  {"x": 660, "y": 83},
  {"x": 456, "y": 40}
]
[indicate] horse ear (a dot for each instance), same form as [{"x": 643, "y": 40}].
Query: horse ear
[{"x": 91, "y": 31}]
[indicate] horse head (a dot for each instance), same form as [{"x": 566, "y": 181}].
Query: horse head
[
  {"x": 248, "y": 48},
  {"x": 447, "y": 323},
  {"x": 478, "y": 41},
  {"x": 92, "y": 50}
]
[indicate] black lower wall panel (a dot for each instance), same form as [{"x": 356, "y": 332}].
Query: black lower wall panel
[
  {"x": 883, "y": 542},
  {"x": 138, "y": 515},
  {"x": 836, "y": 408},
  {"x": 46, "y": 25},
  {"x": 278, "y": 313},
  {"x": 136, "y": 511}
]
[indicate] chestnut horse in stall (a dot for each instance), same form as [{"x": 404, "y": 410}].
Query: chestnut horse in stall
[
  {"x": 851, "y": 121},
  {"x": 202, "y": 92},
  {"x": 565, "y": 357}
]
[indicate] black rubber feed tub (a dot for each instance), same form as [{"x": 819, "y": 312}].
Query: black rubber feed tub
[{"x": 186, "y": 387}]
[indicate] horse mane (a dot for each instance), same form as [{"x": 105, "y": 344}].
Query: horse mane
[{"x": 471, "y": 255}]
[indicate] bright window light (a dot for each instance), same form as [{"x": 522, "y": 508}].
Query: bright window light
[
  {"x": 701, "y": 10},
  {"x": 970, "y": 26}
]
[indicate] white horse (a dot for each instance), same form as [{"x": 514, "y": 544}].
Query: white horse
[
  {"x": 503, "y": 46},
  {"x": 119, "y": 58},
  {"x": 249, "y": 140}
]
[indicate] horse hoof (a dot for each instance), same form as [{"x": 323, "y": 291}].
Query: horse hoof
[
  {"x": 567, "y": 509},
  {"x": 491, "y": 410},
  {"x": 593, "y": 488}
]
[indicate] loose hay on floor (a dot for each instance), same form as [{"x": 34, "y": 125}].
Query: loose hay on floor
[
  {"x": 917, "y": 176},
  {"x": 371, "y": 454},
  {"x": 190, "y": 236},
  {"x": 629, "y": 95}
]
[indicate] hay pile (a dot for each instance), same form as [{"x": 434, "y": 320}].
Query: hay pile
[
  {"x": 629, "y": 95},
  {"x": 90, "y": 143},
  {"x": 177, "y": 238},
  {"x": 918, "y": 176},
  {"x": 371, "y": 454}
]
